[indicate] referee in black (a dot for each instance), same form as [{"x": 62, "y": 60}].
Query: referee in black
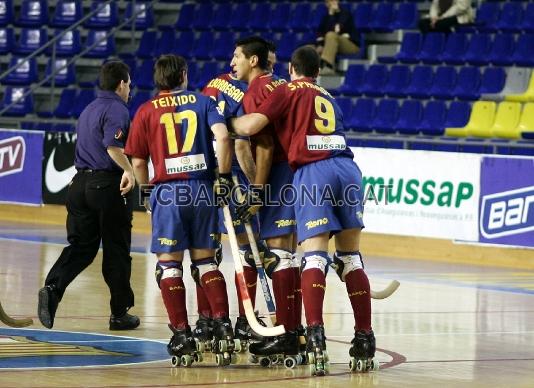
[{"x": 99, "y": 203}]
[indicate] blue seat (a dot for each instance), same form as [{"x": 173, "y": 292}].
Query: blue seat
[
  {"x": 192, "y": 72},
  {"x": 238, "y": 18},
  {"x": 185, "y": 17},
  {"x": 33, "y": 13},
  {"x": 468, "y": 84},
  {"x": 25, "y": 74},
  {"x": 280, "y": 69},
  {"x": 209, "y": 70},
  {"x": 409, "y": 50},
  {"x": 223, "y": 46},
  {"x": 7, "y": 40},
  {"x": 382, "y": 18},
  {"x": 6, "y": 12},
  {"x": 280, "y": 17},
  {"x": 259, "y": 16},
  {"x": 183, "y": 45},
  {"x": 432, "y": 47},
  {"x": 63, "y": 127},
  {"x": 65, "y": 103},
  {"x": 375, "y": 80},
  {"x": 103, "y": 49},
  {"x": 165, "y": 43},
  {"x": 22, "y": 106},
  {"x": 362, "y": 116},
  {"x": 433, "y": 119},
  {"x": 107, "y": 17},
  {"x": 345, "y": 104},
  {"x": 528, "y": 19},
  {"x": 458, "y": 114},
  {"x": 316, "y": 16},
  {"x": 407, "y": 17},
  {"x": 422, "y": 79},
  {"x": 219, "y": 18},
  {"x": 510, "y": 18},
  {"x": 285, "y": 46},
  {"x": 410, "y": 115},
  {"x": 68, "y": 45},
  {"x": 487, "y": 16},
  {"x": 363, "y": 16},
  {"x": 143, "y": 77},
  {"x": 502, "y": 50},
  {"x": 147, "y": 45},
  {"x": 203, "y": 46},
  {"x": 67, "y": 12},
  {"x": 30, "y": 40},
  {"x": 479, "y": 48},
  {"x": 144, "y": 18},
  {"x": 353, "y": 80},
  {"x": 302, "y": 21},
  {"x": 139, "y": 97},
  {"x": 64, "y": 77},
  {"x": 399, "y": 79},
  {"x": 387, "y": 114},
  {"x": 455, "y": 49},
  {"x": 493, "y": 80},
  {"x": 202, "y": 17},
  {"x": 84, "y": 98},
  {"x": 524, "y": 51},
  {"x": 444, "y": 83}
]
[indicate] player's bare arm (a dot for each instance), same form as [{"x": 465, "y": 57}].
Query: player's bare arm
[
  {"x": 264, "y": 158},
  {"x": 140, "y": 169},
  {"x": 224, "y": 149},
  {"x": 243, "y": 153},
  {"x": 249, "y": 124},
  {"x": 127, "y": 180}
]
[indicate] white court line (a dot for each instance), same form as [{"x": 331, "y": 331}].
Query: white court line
[{"x": 455, "y": 333}]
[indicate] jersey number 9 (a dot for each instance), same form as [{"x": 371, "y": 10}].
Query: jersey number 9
[{"x": 327, "y": 118}]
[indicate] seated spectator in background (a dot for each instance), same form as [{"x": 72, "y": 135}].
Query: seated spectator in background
[
  {"x": 337, "y": 34},
  {"x": 446, "y": 14}
]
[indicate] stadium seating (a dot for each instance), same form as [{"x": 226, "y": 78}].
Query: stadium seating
[
  {"x": 25, "y": 74},
  {"x": 6, "y": 12},
  {"x": 7, "y": 40},
  {"x": 107, "y": 17},
  {"x": 480, "y": 122},
  {"x": 526, "y": 122},
  {"x": 63, "y": 77},
  {"x": 33, "y": 13},
  {"x": 527, "y": 95},
  {"x": 68, "y": 45},
  {"x": 23, "y": 104},
  {"x": 104, "y": 46},
  {"x": 67, "y": 13},
  {"x": 30, "y": 40},
  {"x": 362, "y": 115},
  {"x": 144, "y": 15},
  {"x": 506, "y": 121}
]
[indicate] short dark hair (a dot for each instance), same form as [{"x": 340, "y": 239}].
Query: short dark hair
[
  {"x": 255, "y": 45},
  {"x": 111, "y": 75},
  {"x": 169, "y": 71},
  {"x": 271, "y": 46},
  {"x": 306, "y": 61}
]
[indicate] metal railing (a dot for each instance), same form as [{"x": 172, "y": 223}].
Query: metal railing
[{"x": 52, "y": 42}]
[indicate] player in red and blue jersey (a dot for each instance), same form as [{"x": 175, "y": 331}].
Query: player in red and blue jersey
[
  {"x": 277, "y": 224},
  {"x": 175, "y": 130},
  {"x": 309, "y": 126}
]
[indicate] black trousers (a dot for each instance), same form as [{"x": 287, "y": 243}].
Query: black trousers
[
  {"x": 442, "y": 25},
  {"x": 97, "y": 213}
]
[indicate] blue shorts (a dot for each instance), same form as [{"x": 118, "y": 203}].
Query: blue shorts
[
  {"x": 177, "y": 225},
  {"x": 277, "y": 218},
  {"x": 238, "y": 225},
  {"x": 330, "y": 197}
]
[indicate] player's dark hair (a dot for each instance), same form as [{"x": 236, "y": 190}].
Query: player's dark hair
[
  {"x": 271, "y": 46},
  {"x": 169, "y": 71},
  {"x": 111, "y": 75},
  {"x": 255, "y": 45},
  {"x": 305, "y": 61}
]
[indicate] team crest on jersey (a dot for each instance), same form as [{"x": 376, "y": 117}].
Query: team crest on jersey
[{"x": 185, "y": 160}]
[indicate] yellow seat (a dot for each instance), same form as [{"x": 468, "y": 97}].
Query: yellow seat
[
  {"x": 480, "y": 122},
  {"x": 526, "y": 122},
  {"x": 526, "y": 96},
  {"x": 506, "y": 121}
]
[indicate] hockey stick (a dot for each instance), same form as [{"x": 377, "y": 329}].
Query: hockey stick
[
  {"x": 23, "y": 322},
  {"x": 386, "y": 292},
  {"x": 247, "y": 304}
]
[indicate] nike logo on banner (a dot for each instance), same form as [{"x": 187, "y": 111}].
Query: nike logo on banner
[{"x": 55, "y": 180}]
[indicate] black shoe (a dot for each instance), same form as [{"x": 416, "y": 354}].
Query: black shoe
[
  {"x": 125, "y": 322},
  {"x": 48, "y": 302}
]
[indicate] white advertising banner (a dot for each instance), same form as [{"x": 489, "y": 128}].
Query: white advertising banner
[{"x": 420, "y": 193}]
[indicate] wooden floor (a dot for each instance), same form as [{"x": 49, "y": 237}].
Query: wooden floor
[{"x": 452, "y": 324}]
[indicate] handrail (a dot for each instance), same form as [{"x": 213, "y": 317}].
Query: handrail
[{"x": 75, "y": 58}]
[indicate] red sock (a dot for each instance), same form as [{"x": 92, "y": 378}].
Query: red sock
[
  {"x": 203, "y": 304},
  {"x": 313, "y": 283},
  {"x": 214, "y": 286},
  {"x": 297, "y": 297},
  {"x": 173, "y": 294},
  {"x": 360, "y": 298},
  {"x": 251, "y": 277},
  {"x": 284, "y": 290}
]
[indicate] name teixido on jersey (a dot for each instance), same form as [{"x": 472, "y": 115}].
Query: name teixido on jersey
[
  {"x": 227, "y": 88},
  {"x": 166, "y": 101}
]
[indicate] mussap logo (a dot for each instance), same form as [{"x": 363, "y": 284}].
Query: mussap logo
[{"x": 507, "y": 213}]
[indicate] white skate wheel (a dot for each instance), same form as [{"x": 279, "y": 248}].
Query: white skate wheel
[
  {"x": 265, "y": 362},
  {"x": 223, "y": 346},
  {"x": 198, "y": 357},
  {"x": 360, "y": 366},
  {"x": 290, "y": 362},
  {"x": 237, "y": 345},
  {"x": 352, "y": 364},
  {"x": 200, "y": 346},
  {"x": 175, "y": 361},
  {"x": 186, "y": 360},
  {"x": 375, "y": 365},
  {"x": 219, "y": 359}
]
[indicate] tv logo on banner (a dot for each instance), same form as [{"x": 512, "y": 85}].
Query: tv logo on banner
[
  {"x": 12, "y": 152},
  {"x": 507, "y": 213}
]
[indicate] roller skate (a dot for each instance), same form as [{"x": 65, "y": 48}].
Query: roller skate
[
  {"x": 182, "y": 347},
  {"x": 223, "y": 344},
  {"x": 280, "y": 350},
  {"x": 362, "y": 352},
  {"x": 302, "y": 338},
  {"x": 316, "y": 351},
  {"x": 203, "y": 333},
  {"x": 245, "y": 334}
]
